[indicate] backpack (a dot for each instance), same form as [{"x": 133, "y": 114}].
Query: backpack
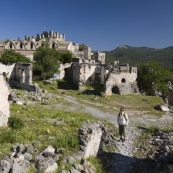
[{"x": 124, "y": 116}]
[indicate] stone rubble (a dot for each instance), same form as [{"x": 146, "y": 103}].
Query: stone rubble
[
  {"x": 21, "y": 157},
  {"x": 42, "y": 96}
]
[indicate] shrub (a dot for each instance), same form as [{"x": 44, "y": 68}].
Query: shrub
[
  {"x": 152, "y": 129},
  {"x": 15, "y": 123},
  {"x": 37, "y": 69},
  {"x": 52, "y": 88},
  {"x": 7, "y": 137},
  {"x": 68, "y": 141},
  {"x": 10, "y": 57}
]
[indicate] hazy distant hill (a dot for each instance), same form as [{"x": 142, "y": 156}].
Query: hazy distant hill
[{"x": 136, "y": 55}]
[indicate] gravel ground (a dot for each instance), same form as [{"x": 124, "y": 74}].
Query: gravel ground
[{"x": 122, "y": 160}]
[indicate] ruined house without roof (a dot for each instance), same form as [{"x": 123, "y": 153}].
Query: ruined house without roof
[{"x": 87, "y": 67}]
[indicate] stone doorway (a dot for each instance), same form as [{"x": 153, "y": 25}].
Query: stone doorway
[{"x": 115, "y": 90}]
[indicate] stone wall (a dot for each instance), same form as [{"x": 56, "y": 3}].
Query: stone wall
[
  {"x": 4, "y": 104},
  {"x": 62, "y": 69},
  {"x": 1, "y": 48},
  {"x": 99, "y": 56},
  {"x": 51, "y": 34},
  {"x": 94, "y": 136},
  {"x": 84, "y": 73},
  {"x": 87, "y": 53},
  {"x": 90, "y": 139},
  {"x": 121, "y": 83},
  {"x": 28, "y": 53},
  {"x": 6, "y": 68},
  {"x": 19, "y": 75},
  {"x": 30, "y": 44}
]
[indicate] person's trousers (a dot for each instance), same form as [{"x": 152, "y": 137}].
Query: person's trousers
[{"x": 122, "y": 130}]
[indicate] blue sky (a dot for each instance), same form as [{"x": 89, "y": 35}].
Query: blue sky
[{"x": 101, "y": 24}]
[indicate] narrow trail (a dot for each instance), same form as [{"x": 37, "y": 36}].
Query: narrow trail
[{"x": 122, "y": 159}]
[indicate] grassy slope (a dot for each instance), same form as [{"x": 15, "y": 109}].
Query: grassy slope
[{"x": 39, "y": 121}]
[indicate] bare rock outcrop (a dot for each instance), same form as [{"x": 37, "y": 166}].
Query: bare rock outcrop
[{"x": 4, "y": 104}]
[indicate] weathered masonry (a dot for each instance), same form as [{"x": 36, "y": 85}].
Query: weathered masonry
[
  {"x": 29, "y": 45},
  {"x": 87, "y": 67},
  {"x": 121, "y": 80},
  {"x": 18, "y": 75},
  {"x": 4, "y": 104}
]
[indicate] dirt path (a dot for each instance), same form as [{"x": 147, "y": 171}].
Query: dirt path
[{"x": 121, "y": 161}]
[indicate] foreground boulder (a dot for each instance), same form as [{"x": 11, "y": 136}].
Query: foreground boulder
[{"x": 4, "y": 104}]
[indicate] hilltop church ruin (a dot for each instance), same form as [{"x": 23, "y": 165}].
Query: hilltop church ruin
[{"x": 86, "y": 67}]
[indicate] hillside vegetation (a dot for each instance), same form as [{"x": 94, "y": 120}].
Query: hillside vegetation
[{"x": 136, "y": 55}]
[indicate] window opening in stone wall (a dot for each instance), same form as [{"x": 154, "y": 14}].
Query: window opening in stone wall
[
  {"x": 11, "y": 46},
  {"x": 18, "y": 70},
  {"x": 97, "y": 77},
  {"x": 53, "y": 45},
  {"x": 123, "y": 80},
  {"x": 23, "y": 76},
  {"x": 68, "y": 73},
  {"x": 31, "y": 45},
  {"x": 21, "y": 45}
]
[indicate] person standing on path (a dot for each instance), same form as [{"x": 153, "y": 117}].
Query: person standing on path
[{"x": 122, "y": 121}]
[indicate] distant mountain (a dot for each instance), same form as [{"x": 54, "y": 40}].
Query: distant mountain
[{"x": 136, "y": 55}]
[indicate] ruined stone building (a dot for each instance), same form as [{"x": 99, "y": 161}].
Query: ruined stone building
[
  {"x": 87, "y": 67},
  {"x": 28, "y": 46},
  {"x": 18, "y": 75},
  {"x": 120, "y": 79}
]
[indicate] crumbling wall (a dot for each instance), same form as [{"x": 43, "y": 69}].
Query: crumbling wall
[
  {"x": 62, "y": 69},
  {"x": 125, "y": 83},
  {"x": 6, "y": 68},
  {"x": 99, "y": 56},
  {"x": 4, "y": 104},
  {"x": 18, "y": 75},
  {"x": 87, "y": 73},
  {"x": 90, "y": 139},
  {"x": 21, "y": 77}
]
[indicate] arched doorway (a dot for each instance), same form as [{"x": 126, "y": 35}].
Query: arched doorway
[{"x": 115, "y": 90}]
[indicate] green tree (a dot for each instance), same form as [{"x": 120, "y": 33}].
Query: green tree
[
  {"x": 66, "y": 57},
  {"x": 82, "y": 47},
  {"x": 151, "y": 78},
  {"x": 10, "y": 57},
  {"x": 7, "y": 40},
  {"x": 47, "y": 61}
]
